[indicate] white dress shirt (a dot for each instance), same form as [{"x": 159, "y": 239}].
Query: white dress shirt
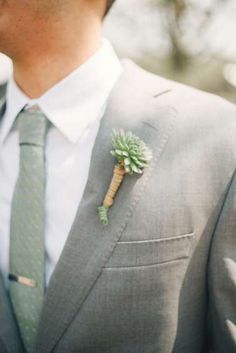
[{"x": 75, "y": 107}]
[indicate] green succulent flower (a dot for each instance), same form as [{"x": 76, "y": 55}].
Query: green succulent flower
[{"x": 130, "y": 151}]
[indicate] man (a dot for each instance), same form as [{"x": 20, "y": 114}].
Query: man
[{"x": 161, "y": 277}]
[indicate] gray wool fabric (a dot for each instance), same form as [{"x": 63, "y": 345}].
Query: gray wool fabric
[
  {"x": 27, "y": 226},
  {"x": 161, "y": 277}
]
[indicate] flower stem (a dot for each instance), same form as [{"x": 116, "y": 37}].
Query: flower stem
[{"x": 118, "y": 176}]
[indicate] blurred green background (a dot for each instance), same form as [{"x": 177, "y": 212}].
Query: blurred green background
[{"x": 191, "y": 41}]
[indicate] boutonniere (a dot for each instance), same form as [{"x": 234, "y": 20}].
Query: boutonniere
[{"x": 132, "y": 156}]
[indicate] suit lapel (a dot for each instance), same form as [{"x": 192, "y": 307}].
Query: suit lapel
[
  {"x": 2, "y": 100},
  {"x": 8, "y": 331},
  {"x": 89, "y": 243}
]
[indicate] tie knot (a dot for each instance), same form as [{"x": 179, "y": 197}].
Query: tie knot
[{"x": 32, "y": 125}]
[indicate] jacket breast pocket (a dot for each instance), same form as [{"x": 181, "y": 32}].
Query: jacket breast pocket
[{"x": 150, "y": 252}]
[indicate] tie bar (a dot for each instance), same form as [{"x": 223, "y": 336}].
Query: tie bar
[{"x": 23, "y": 280}]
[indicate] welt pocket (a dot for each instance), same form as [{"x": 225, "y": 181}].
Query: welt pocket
[{"x": 150, "y": 252}]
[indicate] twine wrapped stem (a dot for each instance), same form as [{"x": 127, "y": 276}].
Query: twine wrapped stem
[{"x": 118, "y": 176}]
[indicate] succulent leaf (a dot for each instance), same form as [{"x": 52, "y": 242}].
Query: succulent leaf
[{"x": 127, "y": 161}]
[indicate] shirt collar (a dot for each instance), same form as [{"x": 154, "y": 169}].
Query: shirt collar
[{"x": 75, "y": 102}]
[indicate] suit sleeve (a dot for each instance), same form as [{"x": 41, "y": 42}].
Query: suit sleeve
[{"x": 222, "y": 278}]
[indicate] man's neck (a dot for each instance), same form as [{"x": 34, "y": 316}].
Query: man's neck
[{"x": 42, "y": 69}]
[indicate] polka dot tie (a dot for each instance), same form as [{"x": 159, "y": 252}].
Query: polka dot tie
[{"x": 27, "y": 263}]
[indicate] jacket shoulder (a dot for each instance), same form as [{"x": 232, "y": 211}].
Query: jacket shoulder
[
  {"x": 189, "y": 101},
  {"x": 203, "y": 120}
]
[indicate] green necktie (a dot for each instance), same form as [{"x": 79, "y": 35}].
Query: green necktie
[{"x": 27, "y": 263}]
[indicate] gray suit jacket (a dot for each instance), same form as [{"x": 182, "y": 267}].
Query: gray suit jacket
[{"x": 161, "y": 277}]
